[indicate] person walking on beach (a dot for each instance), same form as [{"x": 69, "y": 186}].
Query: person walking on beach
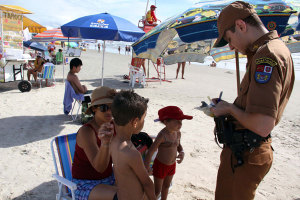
[
  {"x": 119, "y": 49},
  {"x": 178, "y": 68},
  {"x": 99, "y": 47},
  {"x": 133, "y": 182},
  {"x": 168, "y": 145},
  {"x": 246, "y": 124},
  {"x": 92, "y": 165}
]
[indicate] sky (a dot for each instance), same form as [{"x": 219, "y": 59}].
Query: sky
[{"x": 54, "y": 13}]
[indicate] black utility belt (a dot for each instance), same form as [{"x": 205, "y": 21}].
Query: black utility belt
[
  {"x": 246, "y": 137},
  {"x": 227, "y": 134}
]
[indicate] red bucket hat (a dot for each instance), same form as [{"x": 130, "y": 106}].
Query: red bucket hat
[
  {"x": 153, "y": 6},
  {"x": 172, "y": 112}
]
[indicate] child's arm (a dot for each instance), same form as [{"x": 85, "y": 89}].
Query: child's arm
[
  {"x": 158, "y": 140},
  {"x": 180, "y": 150},
  {"x": 136, "y": 163}
]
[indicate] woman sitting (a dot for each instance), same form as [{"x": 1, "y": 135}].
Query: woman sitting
[{"x": 92, "y": 166}]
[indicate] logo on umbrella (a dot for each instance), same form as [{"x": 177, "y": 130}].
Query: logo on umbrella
[{"x": 99, "y": 24}]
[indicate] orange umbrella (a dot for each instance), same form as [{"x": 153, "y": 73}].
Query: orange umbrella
[
  {"x": 33, "y": 26},
  {"x": 53, "y": 35}
]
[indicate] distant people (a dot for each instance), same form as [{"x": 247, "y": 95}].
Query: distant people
[
  {"x": 213, "y": 64},
  {"x": 119, "y": 49},
  {"x": 59, "y": 57},
  {"x": 99, "y": 47},
  {"x": 62, "y": 44},
  {"x": 75, "y": 67},
  {"x": 38, "y": 67},
  {"x": 168, "y": 145},
  {"x": 150, "y": 16},
  {"x": 92, "y": 166},
  {"x": 178, "y": 68},
  {"x": 126, "y": 49},
  {"x": 132, "y": 179}
]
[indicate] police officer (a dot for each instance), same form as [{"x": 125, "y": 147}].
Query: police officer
[{"x": 263, "y": 95}]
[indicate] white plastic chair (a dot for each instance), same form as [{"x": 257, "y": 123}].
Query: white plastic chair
[{"x": 135, "y": 73}]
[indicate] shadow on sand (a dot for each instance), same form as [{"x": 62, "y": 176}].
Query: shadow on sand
[
  {"x": 35, "y": 129},
  {"x": 48, "y": 190}
]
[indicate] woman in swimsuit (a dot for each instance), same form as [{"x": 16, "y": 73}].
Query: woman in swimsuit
[
  {"x": 92, "y": 165},
  {"x": 168, "y": 144}
]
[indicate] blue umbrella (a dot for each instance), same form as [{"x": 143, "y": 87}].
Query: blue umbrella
[
  {"x": 102, "y": 26},
  {"x": 34, "y": 45}
]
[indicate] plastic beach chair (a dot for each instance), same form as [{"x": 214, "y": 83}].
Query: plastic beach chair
[
  {"x": 65, "y": 146},
  {"x": 47, "y": 73},
  {"x": 69, "y": 97},
  {"x": 136, "y": 73}
]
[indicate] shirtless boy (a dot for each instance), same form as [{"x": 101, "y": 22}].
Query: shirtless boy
[
  {"x": 168, "y": 144},
  {"x": 132, "y": 179},
  {"x": 75, "y": 67}
]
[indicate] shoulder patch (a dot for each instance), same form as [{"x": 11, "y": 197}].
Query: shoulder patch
[
  {"x": 265, "y": 60},
  {"x": 263, "y": 73}
]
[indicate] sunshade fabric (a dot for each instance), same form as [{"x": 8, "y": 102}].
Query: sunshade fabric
[
  {"x": 103, "y": 26},
  {"x": 16, "y": 9},
  {"x": 200, "y": 23},
  {"x": 52, "y": 35},
  {"x": 32, "y": 26}
]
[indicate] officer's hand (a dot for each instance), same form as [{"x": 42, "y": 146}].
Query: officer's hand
[{"x": 221, "y": 108}]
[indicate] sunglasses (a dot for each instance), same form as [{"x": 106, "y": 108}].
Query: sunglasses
[{"x": 104, "y": 107}]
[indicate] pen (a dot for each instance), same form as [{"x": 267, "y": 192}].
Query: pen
[{"x": 220, "y": 96}]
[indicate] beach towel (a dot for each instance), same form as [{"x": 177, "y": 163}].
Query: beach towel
[{"x": 70, "y": 94}]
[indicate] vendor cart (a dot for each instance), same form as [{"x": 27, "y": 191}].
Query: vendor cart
[{"x": 11, "y": 46}]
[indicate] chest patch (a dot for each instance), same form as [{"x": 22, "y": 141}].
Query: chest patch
[{"x": 263, "y": 73}]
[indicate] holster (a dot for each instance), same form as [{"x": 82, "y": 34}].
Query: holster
[{"x": 237, "y": 140}]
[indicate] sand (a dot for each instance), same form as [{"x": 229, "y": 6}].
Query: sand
[{"x": 29, "y": 121}]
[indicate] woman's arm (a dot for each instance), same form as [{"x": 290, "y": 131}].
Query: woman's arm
[{"x": 99, "y": 157}]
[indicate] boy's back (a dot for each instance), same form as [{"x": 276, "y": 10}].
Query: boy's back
[{"x": 127, "y": 161}]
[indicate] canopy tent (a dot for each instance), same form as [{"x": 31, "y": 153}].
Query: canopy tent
[
  {"x": 53, "y": 35},
  {"x": 15, "y": 9},
  {"x": 32, "y": 26},
  {"x": 103, "y": 26}
]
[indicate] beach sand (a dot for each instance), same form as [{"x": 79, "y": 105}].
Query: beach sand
[{"x": 29, "y": 121}]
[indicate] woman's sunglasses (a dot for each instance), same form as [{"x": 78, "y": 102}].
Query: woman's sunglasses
[{"x": 104, "y": 107}]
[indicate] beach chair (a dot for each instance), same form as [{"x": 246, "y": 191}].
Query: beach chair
[
  {"x": 47, "y": 73},
  {"x": 65, "y": 148},
  {"x": 136, "y": 73},
  {"x": 69, "y": 97}
]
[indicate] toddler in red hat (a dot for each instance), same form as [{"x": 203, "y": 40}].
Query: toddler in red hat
[{"x": 169, "y": 148}]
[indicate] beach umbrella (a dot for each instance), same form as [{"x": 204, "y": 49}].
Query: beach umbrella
[
  {"x": 35, "y": 45},
  {"x": 53, "y": 35},
  {"x": 103, "y": 26},
  {"x": 200, "y": 23}
]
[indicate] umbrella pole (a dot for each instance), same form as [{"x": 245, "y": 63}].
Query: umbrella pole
[
  {"x": 237, "y": 64},
  {"x": 103, "y": 62},
  {"x": 148, "y": 69}
]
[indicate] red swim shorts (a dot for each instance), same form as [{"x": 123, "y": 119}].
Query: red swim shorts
[{"x": 161, "y": 170}]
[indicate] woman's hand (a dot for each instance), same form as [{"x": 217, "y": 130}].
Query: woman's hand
[{"x": 105, "y": 133}]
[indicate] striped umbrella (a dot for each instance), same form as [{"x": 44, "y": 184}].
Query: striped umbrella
[{"x": 53, "y": 35}]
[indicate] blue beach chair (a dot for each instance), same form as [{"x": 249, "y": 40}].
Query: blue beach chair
[
  {"x": 47, "y": 73},
  {"x": 65, "y": 146}
]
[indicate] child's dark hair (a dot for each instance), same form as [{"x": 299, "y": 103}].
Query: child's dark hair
[
  {"x": 128, "y": 105},
  {"x": 75, "y": 62}
]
